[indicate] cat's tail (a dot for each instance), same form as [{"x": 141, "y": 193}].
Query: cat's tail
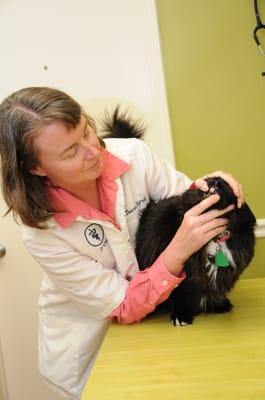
[{"x": 120, "y": 125}]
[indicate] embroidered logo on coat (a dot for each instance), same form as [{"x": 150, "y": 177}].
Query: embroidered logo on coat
[{"x": 94, "y": 234}]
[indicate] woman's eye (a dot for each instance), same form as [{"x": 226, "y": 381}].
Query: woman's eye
[{"x": 72, "y": 152}]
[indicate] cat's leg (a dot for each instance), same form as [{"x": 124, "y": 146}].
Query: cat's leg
[
  {"x": 181, "y": 313},
  {"x": 217, "y": 303}
]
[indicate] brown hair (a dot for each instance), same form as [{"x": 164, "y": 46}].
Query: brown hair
[{"x": 22, "y": 114}]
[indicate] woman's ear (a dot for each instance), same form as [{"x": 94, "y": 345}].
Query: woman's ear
[{"x": 38, "y": 171}]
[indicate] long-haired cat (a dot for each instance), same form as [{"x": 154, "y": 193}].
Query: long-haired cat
[{"x": 212, "y": 271}]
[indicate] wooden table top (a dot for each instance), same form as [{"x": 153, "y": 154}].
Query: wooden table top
[{"x": 217, "y": 357}]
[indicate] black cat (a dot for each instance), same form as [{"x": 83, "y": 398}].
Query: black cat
[{"x": 214, "y": 269}]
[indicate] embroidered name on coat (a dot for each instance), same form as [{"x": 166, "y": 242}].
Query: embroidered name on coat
[{"x": 137, "y": 205}]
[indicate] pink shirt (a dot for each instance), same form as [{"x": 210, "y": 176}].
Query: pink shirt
[{"x": 148, "y": 288}]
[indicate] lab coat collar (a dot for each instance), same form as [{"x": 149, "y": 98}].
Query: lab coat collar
[{"x": 74, "y": 208}]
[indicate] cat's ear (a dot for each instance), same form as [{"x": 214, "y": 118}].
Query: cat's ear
[
  {"x": 241, "y": 217},
  {"x": 246, "y": 215}
]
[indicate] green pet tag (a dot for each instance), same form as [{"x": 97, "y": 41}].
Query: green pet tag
[{"x": 221, "y": 259}]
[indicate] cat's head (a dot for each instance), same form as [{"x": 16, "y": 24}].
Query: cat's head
[
  {"x": 239, "y": 218},
  {"x": 218, "y": 186}
]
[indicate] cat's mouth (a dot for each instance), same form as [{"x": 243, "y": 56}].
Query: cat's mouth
[{"x": 211, "y": 191}]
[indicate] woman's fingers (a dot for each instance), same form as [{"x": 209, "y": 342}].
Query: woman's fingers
[
  {"x": 212, "y": 214},
  {"x": 213, "y": 233},
  {"x": 203, "y": 205},
  {"x": 214, "y": 224},
  {"x": 240, "y": 195},
  {"x": 202, "y": 184}
]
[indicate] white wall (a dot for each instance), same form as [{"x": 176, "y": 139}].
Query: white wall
[{"x": 99, "y": 51}]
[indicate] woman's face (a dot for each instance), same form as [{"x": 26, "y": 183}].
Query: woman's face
[{"x": 69, "y": 157}]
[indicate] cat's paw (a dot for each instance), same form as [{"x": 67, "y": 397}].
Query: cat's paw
[
  {"x": 223, "y": 307},
  {"x": 177, "y": 320}
]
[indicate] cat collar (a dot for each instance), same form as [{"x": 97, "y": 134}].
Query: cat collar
[{"x": 220, "y": 258}]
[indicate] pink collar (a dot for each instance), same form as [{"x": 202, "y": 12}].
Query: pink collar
[
  {"x": 74, "y": 207},
  {"x": 224, "y": 236}
]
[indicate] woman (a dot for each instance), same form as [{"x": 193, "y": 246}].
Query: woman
[{"x": 79, "y": 200}]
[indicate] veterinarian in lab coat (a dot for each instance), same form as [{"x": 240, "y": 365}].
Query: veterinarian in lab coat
[{"x": 79, "y": 200}]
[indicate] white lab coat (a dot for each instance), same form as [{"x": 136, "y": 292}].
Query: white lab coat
[{"x": 86, "y": 267}]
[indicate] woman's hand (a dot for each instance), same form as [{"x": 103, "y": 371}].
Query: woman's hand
[
  {"x": 197, "y": 229},
  {"x": 232, "y": 182}
]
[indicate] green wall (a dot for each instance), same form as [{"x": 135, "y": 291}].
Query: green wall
[{"x": 216, "y": 94}]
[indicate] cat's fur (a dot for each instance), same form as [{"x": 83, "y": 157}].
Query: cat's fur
[{"x": 206, "y": 285}]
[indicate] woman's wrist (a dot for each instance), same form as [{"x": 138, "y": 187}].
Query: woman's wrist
[{"x": 173, "y": 262}]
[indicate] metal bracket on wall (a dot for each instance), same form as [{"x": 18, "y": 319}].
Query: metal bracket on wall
[{"x": 260, "y": 228}]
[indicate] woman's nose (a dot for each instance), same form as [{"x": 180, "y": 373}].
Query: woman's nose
[{"x": 90, "y": 151}]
